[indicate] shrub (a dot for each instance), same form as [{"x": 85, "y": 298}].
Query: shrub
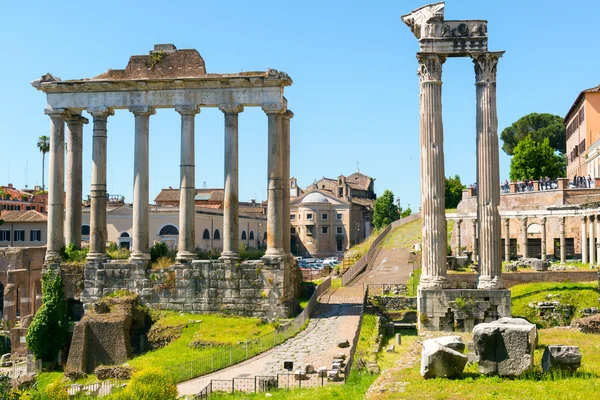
[
  {"x": 72, "y": 254},
  {"x": 160, "y": 249},
  {"x": 48, "y": 329},
  {"x": 163, "y": 262},
  {"x": 57, "y": 391},
  {"x": 148, "y": 384},
  {"x": 212, "y": 254}
]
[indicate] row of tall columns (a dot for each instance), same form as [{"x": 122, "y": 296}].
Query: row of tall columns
[{"x": 590, "y": 230}]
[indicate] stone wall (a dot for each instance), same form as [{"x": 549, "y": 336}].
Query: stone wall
[
  {"x": 251, "y": 288},
  {"x": 469, "y": 281},
  {"x": 389, "y": 303}
]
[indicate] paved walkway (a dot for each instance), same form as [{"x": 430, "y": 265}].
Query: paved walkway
[
  {"x": 390, "y": 266},
  {"x": 335, "y": 319}
]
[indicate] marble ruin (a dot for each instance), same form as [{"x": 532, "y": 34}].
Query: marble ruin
[
  {"x": 176, "y": 79},
  {"x": 438, "y": 307}
]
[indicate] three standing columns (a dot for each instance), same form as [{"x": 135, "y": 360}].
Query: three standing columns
[
  {"x": 141, "y": 185},
  {"x": 98, "y": 186},
  {"x": 187, "y": 185},
  {"x": 432, "y": 172},
  {"x": 488, "y": 172},
  {"x": 231, "y": 239},
  {"x": 74, "y": 175}
]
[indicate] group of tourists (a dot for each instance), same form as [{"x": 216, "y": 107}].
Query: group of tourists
[
  {"x": 526, "y": 185},
  {"x": 583, "y": 182}
]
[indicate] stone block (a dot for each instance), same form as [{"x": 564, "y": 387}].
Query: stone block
[
  {"x": 333, "y": 375},
  {"x": 299, "y": 375},
  {"x": 561, "y": 357},
  {"x": 336, "y": 366},
  {"x": 343, "y": 344},
  {"x": 390, "y": 349},
  {"x": 322, "y": 372},
  {"x": 440, "y": 361}
]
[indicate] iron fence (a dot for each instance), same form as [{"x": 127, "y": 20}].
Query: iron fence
[
  {"x": 250, "y": 348},
  {"x": 30, "y": 366},
  {"x": 96, "y": 389}
]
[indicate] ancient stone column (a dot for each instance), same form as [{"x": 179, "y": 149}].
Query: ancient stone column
[
  {"x": 475, "y": 247},
  {"x": 524, "y": 237},
  {"x": 187, "y": 185},
  {"x": 98, "y": 186},
  {"x": 597, "y": 248},
  {"x": 141, "y": 185},
  {"x": 56, "y": 184},
  {"x": 231, "y": 212},
  {"x": 433, "y": 225},
  {"x": 592, "y": 239},
  {"x": 74, "y": 178},
  {"x": 584, "y": 252},
  {"x": 458, "y": 236},
  {"x": 275, "y": 224},
  {"x": 285, "y": 153},
  {"x": 507, "y": 239},
  {"x": 543, "y": 225},
  {"x": 563, "y": 244},
  {"x": 488, "y": 172}
]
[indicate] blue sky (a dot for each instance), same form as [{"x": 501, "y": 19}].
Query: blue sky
[{"x": 355, "y": 91}]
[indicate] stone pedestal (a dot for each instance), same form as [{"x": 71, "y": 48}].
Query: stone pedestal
[{"x": 460, "y": 309}]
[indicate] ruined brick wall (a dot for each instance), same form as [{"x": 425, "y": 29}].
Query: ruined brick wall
[{"x": 469, "y": 281}]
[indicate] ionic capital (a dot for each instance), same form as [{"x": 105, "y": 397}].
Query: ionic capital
[
  {"x": 101, "y": 112},
  {"x": 231, "y": 108},
  {"x": 188, "y": 109},
  {"x": 56, "y": 113},
  {"x": 430, "y": 67},
  {"x": 273, "y": 108},
  {"x": 76, "y": 119},
  {"x": 288, "y": 114},
  {"x": 584, "y": 219},
  {"x": 591, "y": 218},
  {"x": 485, "y": 66},
  {"x": 142, "y": 110}
]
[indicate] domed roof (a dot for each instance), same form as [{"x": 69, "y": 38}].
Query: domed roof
[{"x": 315, "y": 197}]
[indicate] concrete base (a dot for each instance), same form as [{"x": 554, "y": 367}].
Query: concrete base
[{"x": 460, "y": 309}]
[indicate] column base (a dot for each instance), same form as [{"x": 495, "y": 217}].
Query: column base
[
  {"x": 273, "y": 253},
  {"x": 229, "y": 255},
  {"x": 139, "y": 256},
  {"x": 434, "y": 282},
  {"x": 96, "y": 257},
  {"x": 52, "y": 256},
  {"x": 490, "y": 283},
  {"x": 186, "y": 256}
]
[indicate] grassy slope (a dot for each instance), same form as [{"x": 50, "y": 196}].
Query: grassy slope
[{"x": 403, "y": 237}]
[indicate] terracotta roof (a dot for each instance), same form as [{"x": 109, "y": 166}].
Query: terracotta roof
[
  {"x": 576, "y": 103},
  {"x": 359, "y": 181},
  {"x": 23, "y": 216},
  {"x": 361, "y": 201},
  {"x": 173, "y": 195}
]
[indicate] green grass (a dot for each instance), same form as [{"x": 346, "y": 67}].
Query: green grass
[
  {"x": 359, "y": 250},
  {"x": 45, "y": 378}
]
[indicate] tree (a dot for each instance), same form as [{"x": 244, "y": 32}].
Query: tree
[
  {"x": 385, "y": 211},
  {"x": 533, "y": 160},
  {"x": 539, "y": 127},
  {"x": 43, "y": 145},
  {"x": 406, "y": 213},
  {"x": 454, "y": 190}
]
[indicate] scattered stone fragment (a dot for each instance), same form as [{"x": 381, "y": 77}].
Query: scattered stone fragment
[
  {"x": 322, "y": 372},
  {"x": 336, "y": 366},
  {"x": 299, "y": 375},
  {"x": 309, "y": 368},
  {"x": 372, "y": 367},
  {"x": 344, "y": 343},
  {"x": 342, "y": 356},
  {"x": 391, "y": 348},
  {"x": 333, "y": 375},
  {"x": 398, "y": 339},
  {"x": 440, "y": 361},
  {"x": 453, "y": 342},
  {"x": 561, "y": 357}
]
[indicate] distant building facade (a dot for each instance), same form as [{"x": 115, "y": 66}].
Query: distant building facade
[
  {"x": 23, "y": 228},
  {"x": 583, "y": 135},
  {"x": 12, "y": 199}
]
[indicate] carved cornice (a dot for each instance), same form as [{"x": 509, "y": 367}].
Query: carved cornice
[
  {"x": 430, "y": 67},
  {"x": 485, "y": 66},
  {"x": 231, "y": 108}
]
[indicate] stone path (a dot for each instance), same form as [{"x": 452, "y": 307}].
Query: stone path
[
  {"x": 335, "y": 319},
  {"x": 390, "y": 266}
]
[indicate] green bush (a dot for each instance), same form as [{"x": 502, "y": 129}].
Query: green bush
[
  {"x": 48, "y": 329},
  {"x": 160, "y": 249},
  {"x": 73, "y": 254},
  {"x": 56, "y": 391},
  {"x": 4, "y": 343},
  {"x": 213, "y": 254},
  {"x": 147, "y": 384}
]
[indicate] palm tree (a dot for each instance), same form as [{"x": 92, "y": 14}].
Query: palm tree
[{"x": 44, "y": 145}]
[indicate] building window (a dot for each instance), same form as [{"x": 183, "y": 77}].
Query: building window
[
  {"x": 292, "y": 217},
  {"x": 27, "y": 208},
  {"x": 244, "y": 236},
  {"x": 4, "y": 236},
  {"x": 251, "y": 235},
  {"x": 35, "y": 235},
  {"x": 206, "y": 234},
  {"x": 85, "y": 230},
  {"x": 324, "y": 216},
  {"x": 324, "y": 229},
  {"x": 339, "y": 216},
  {"x": 339, "y": 246},
  {"x": 19, "y": 235},
  {"x": 309, "y": 216},
  {"x": 339, "y": 230},
  {"x": 217, "y": 235},
  {"x": 293, "y": 230},
  {"x": 168, "y": 230}
]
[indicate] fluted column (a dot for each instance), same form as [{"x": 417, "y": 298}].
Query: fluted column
[
  {"x": 187, "y": 184},
  {"x": 507, "y": 239},
  {"x": 524, "y": 237},
  {"x": 488, "y": 172},
  {"x": 285, "y": 153},
  {"x": 275, "y": 183},
  {"x": 458, "y": 236},
  {"x": 74, "y": 178},
  {"x": 98, "y": 186},
  {"x": 543, "y": 225},
  {"x": 584, "y": 251},
  {"x": 475, "y": 247},
  {"x": 597, "y": 244},
  {"x": 563, "y": 241},
  {"x": 433, "y": 225},
  {"x": 231, "y": 212},
  {"x": 592, "y": 238},
  {"x": 56, "y": 185},
  {"x": 141, "y": 184}
]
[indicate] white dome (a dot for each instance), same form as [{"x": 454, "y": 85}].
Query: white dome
[{"x": 315, "y": 197}]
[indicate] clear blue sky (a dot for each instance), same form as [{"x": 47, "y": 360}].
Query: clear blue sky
[{"x": 355, "y": 91}]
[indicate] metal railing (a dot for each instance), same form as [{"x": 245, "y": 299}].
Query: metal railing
[
  {"x": 31, "y": 366},
  {"x": 250, "y": 348},
  {"x": 362, "y": 263},
  {"x": 96, "y": 389}
]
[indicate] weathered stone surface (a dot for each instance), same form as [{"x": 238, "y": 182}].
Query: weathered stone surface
[
  {"x": 561, "y": 357},
  {"x": 589, "y": 324},
  {"x": 452, "y": 342},
  {"x": 333, "y": 375},
  {"x": 440, "y": 361},
  {"x": 390, "y": 349},
  {"x": 322, "y": 372},
  {"x": 505, "y": 347},
  {"x": 344, "y": 343}
]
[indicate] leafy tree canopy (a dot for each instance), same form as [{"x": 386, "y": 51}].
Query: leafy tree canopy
[
  {"x": 385, "y": 211},
  {"x": 454, "y": 190},
  {"x": 538, "y": 127},
  {"x": 533, "y": 160},
  {"x": 406, "y": 213}
]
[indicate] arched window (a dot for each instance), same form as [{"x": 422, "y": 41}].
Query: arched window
[
  {"x": 251, "y": 235},
  {"x": 124, "y": 235},
  {"x": 244, "y": 237},
  {"x": 85, "y": 230},
  {"x": 206, "y": 234},
  {"x": 168, "y": 230},
  {"x": 217, "y": 235}
]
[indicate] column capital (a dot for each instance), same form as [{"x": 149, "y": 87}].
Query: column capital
[
  {"x": 188, "y": 109},
  {"x": 459, "y": 221},
  {"x": 430, "y": 67},
  {"x": 524, "y": 220},
  {"x": 101, "y": 112},
  {"x": 485, "y": 66},
  {"x": 288, "y": 114},
  {"x": 507, "y": 221},
  {"x": 142, "y": 110},
  {"x": 233, "y": 108},
  {"x": 591, "y": 218},
  {"x": 76, "y": 119},
  {"x": 273, "y": 108},
  {"x": 584, "y": 218},
  {"x": 56, "y": 112},
  {"x": 543, "y": 220}
]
